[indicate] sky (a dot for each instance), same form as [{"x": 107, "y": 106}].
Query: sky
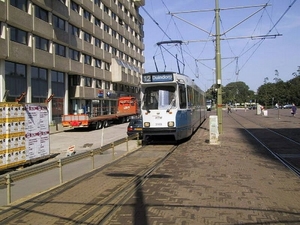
[{"x": 245, "y": 55}]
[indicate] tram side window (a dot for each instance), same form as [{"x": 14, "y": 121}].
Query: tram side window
[{"x": 182, "y": 96}]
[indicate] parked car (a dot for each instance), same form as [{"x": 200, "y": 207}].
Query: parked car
[
  {"x": 288, "y": 106},
  {"x": 252, "y": 107},
  {"x": 135, "y": 126}
]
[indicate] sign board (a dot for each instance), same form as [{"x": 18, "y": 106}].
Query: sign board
[{"x": 71, "y": 150}]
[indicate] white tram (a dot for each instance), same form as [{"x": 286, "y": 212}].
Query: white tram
[{"x": 171, "y": 105}]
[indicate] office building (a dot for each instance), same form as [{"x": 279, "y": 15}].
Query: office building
[{"x": 77, "y": 54}]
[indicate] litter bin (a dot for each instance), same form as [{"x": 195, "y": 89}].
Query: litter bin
[{"x": 265, "y": 112}]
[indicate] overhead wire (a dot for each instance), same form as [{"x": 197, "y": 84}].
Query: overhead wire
[
  {"x": 242, "y": 53},
  {"x": 262, "y": 40}
]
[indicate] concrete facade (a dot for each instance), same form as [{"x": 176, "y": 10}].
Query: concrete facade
[{"x": 92, "y": 47}]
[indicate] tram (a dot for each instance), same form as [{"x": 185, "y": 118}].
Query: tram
[{"x": 172, "y": 106}]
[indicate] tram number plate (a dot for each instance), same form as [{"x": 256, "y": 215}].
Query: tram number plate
[
  {"x": 158, "y": 117},
  {"x": 158, "y": 124}
]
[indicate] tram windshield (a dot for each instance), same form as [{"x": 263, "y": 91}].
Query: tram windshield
[{"x": 162, "y": 97}]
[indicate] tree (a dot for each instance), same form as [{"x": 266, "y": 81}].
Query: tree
[{"x": 237, "y": 92}]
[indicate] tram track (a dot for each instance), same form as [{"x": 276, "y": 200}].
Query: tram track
[
  {"x": 117, "y": 183},
  {"x": 278, "y": 142},
  {"x": 100, "y": 214}
]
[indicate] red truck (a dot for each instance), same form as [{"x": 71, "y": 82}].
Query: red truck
[{"x": 126, "y": 107}]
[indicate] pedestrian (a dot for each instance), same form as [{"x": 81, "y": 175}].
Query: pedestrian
[
  {"x": 294, "y": 110},
  {"x": 229, "y": 109}
]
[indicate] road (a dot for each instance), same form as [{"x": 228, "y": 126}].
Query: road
[{"x": 85, "y": 139}]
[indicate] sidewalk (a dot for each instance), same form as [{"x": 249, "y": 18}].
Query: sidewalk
[{"x": 235, "y": 182}]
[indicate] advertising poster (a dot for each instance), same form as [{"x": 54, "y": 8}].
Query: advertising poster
[{"x": 36, "y": 131}]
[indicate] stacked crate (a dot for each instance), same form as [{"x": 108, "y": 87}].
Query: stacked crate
[
  {"x": 24, "y": 133},
  {"x": 12, "y": 135}
]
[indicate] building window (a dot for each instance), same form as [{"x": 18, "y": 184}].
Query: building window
[
  {"x": 120, "y": 5},
  {"x": 41, "y": 13},
  {"x": 114, "y": 51},
  {"x": 15, "y": 79},
  {"x": 121, "y": 38},
  {"x": 74, "y": 6},
  {"x": 87, "y": 37},
  {"x": 106, "y": 28},
  {"x": 107, "y": 85},
  {"x": 21, "y": 4},
  {"x": 97, "y": 22},
  {"x": 97, "y": 42},
  {"x": 59, "y": 22},
  {"x": 58, "y": 83},
  {"x": 115, "y": 86},
  {"x": 98, "y": 83},
  {"x": 114, "y": 33},
  {"x": 87, "y": 59},
  {"x": 114, "y": 16},
  {"x": 107, "y": 66},
  {"x": 98, "y": 63},
  {"x": 87, "y": 15},
  {"x": 18, "y": 35},
  {"x": 121, "y": 55},
  {"x": 106, "y": 47},
  {"x": 88, "y": 82},
  {"x": 97, "y": 2},
  {"x": 74, "y": 55},
  {"x": 60, "y": 50},
  {"x": 74, "y": 30},
  {"x": 106, "y": 9},
  {"x": 75, "y": 80},
  {"x": 39, "y": 83},
  {"x": 41, "y": 43}
]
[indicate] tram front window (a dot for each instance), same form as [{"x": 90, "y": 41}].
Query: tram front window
[{"x": 159, "y": 98}]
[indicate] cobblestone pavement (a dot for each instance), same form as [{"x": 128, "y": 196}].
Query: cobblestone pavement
[{"x": 234, "y": 182}]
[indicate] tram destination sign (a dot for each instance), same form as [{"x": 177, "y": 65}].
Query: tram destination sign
[{"x": 164, "y": 77}]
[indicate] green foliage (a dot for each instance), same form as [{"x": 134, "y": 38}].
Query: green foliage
[
  {"x": 280, "y": 92},
  {"x": 267, "y": 94}
]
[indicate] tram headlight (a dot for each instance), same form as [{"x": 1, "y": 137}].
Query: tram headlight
[
  {"x": 146, "y": 124},
  {"x": 171, "y": 124}
]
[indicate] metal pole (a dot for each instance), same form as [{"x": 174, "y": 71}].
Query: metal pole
[{"x": 218, "y": 69}]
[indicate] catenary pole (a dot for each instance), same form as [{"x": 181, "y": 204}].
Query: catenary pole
[{"x": 218, "y": 69}]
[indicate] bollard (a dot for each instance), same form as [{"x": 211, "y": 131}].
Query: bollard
[
  {"x": 127, "y": 146},
  {"x": 93, "y": 159},
  {"x": 8, "y": 190},
  {"x": 113, "y": 151},
  {"x": 60, "y": 171},
  {"x": 137, "y": 140}
]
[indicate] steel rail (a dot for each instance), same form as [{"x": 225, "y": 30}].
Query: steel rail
[
  {"x": 124, "y": 193},
  {"x": 277, "y": 156}
]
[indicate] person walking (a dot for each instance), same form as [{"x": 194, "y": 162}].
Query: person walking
[
  {"x": 294, "y": 110},
  {"x": 229, "y": 109}
]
